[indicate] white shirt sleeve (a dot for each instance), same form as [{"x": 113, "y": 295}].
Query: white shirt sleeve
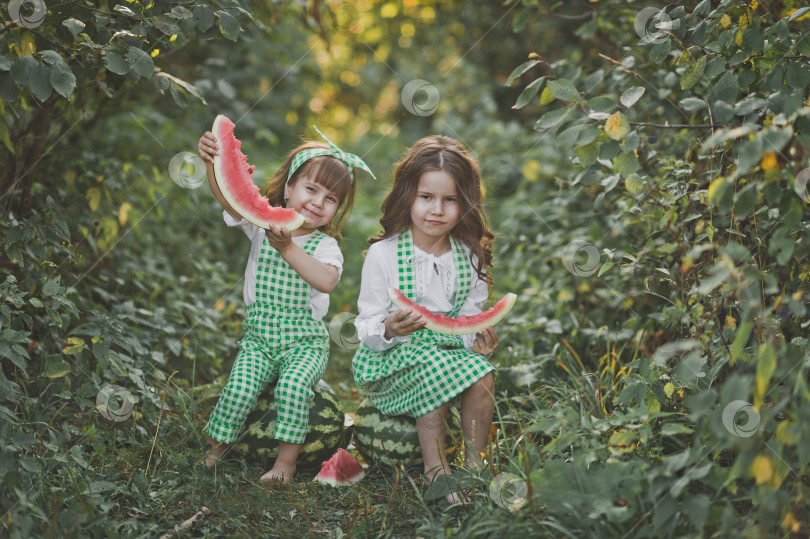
[
  {"x": 373, "y": 303},
  {"x": 328, "y": 252}
]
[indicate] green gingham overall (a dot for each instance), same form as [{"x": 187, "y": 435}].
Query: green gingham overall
[
  {"x": 416, "y": 377},
  {"x": 282, "y": 341}
]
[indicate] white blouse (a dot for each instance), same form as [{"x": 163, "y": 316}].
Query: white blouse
[
  {"x": 435, "y": 282},
  {"x": 327, "y": 252}
]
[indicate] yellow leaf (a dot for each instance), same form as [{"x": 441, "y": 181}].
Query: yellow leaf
[
  {"x": 669, "y": 389},
  {"x": 789, "y": 523},
  {"x": 738, "y": 38},
  {"x": 74, "y": 345},
  {"x": 766, "y": 365},
  {"x": 787, "y": 433},
  {"x": 769, "y": 161},
  {"x": 154, "y": 52},
  {"x": 725, "y": 21},
  {"x": 745, "y": 20},
  {"x": 731, "y": 321},
  {"x": 93, "y": 196},
  {"x": 107, "y": 233},
  {"x": 546, "y": 97},
  {"x": 173, "y": 38},
  {"x": 531, "y": 170},
  {"x": 715, "y": 185},
  {"x": 761, "y": 469},
  {"x": 219, "y": 305},
  {"x": 123, "y": 213},
  {"x": 616, "y": 126},
  {"x": 29, "y": 47}
]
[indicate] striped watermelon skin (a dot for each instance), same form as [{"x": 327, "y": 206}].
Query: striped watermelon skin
[
  {"x": 392, "y": 441},
  {"x": 326, "y": 433}
]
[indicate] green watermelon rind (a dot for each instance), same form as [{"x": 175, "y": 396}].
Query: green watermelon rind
[
  {"x": 392, "y": 441},
  {"x": 325, "y": 435}
]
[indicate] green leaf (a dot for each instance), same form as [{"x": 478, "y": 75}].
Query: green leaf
[
  {"x": 166, "y": 25},
  {"x": 727, "y": 88},
  {"x": 140, "y": 62},
  {"x": 798, "y": 13},
  {"x": 21, "y": 69},
  {"x": 203, "y": 16},
  {"x": 518, "y": 71},
  {"x": 692, "y": 74},
  {"x": 693, "y": 104},
  {"x": 659, "y": 51},
  {"x": 551, "y": 119},
  {"x": 740, "y": 338},
  {"x": 56, "y": 367},
  {"x": 631, "y": 96},
  {"x": 587, "y": 154},
  {"x": 797, "y": 76},
  {"x": 116, "y": 64},
  {"x": 63, "y": 80},
  {"x": 52, "y": 287},
  {"x": 4, "y": 136},
  {"x": 745, "y": 200},
  {"x": 124, "y": 10},
  {"x": 75, "y": 26},
  {"x": 626, "y": 164},
  {"x": 39, "y": 81},
  {"x": 673, "y": 429},
  {"x": 179, "y": 95},
  {"x": 528, "y": 93},
  {"x": 602, "y": 103},
  {"x": 228, "y": 26},
  {"x": 563, "y": 89}
]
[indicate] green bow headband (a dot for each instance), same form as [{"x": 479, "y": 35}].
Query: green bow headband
[{"x": 349, "y": 159}]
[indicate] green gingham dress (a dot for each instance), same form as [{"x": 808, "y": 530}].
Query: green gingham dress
[
  {"x": 282, "y": 341},
  {"x": 429, "y": 369}
]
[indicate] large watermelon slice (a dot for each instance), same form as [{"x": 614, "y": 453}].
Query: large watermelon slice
[
  {"x": 462, "y": 325},
  {"x": 325, "y": 433},
  {"x": 392, "y": 441},
  {"x": 235, "y": 179},
  {"x": 341, "y": 469}
]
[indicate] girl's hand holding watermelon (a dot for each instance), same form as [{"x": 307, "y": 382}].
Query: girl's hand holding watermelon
[
  {"x": 486, "y": 342},
  {"x": 403, "y": 322},
  {"x": 207, "y": 147}
]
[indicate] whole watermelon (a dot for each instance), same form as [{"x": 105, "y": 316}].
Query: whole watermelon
[
  {"x": 392, "y": 441},
  {"x": 326, "y": 433}
]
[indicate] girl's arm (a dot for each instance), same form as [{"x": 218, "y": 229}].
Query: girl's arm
[
  {"x": 207, "y": 149},
  {"x": 321, "y": 276}
]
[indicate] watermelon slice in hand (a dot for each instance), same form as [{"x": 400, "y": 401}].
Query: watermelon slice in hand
[
  {"x": 341, "y": 469},
  {"x": 463, "y": 325},
  {"x": 235, "y": 180}
]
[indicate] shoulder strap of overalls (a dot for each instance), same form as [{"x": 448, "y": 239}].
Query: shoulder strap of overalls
[
  {"x": 312, "y": 243},
  {"x": 405, "y": 259}
]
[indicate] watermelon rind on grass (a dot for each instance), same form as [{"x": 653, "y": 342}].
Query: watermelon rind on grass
[
  {"x": 325, "y": 435},
  {"x": 392, "y": 441}
]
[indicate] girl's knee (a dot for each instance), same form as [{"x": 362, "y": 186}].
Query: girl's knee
[{"x": 486, "y": 384}]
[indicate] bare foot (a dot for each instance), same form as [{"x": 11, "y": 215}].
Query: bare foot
[
  {"x": 217, "y": 448},
  {"x": 281, "y": 472}
]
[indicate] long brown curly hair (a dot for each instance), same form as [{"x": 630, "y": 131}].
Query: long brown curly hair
[
  {"x": 438, "y": 152},
  {"x": 330, "y": 172}
]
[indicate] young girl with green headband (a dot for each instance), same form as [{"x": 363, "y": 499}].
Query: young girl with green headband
[{"x": 288, "y": 278}]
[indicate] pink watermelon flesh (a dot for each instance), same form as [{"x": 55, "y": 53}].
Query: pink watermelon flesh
[
  {"x": 235, "y": 179},
  {"x": 341, "y": 469},
  {"x": 463, "y": 325}
]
